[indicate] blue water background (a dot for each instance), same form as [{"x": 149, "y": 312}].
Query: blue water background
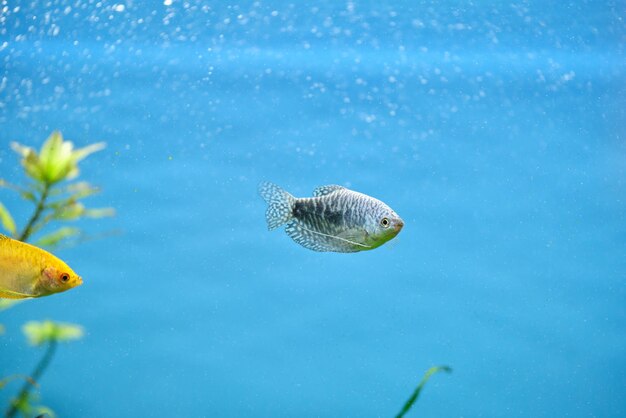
[{"x": 496, "y": 130}]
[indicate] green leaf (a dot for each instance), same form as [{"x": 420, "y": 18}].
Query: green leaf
[
  {"x": 407, "y": 406},
  {"x": 33, "y": 167},
  {"x": 57, "y": 236},
  {"x": 7, "y": 303},
  {"x": 51, "y": 148},
  {"x": 99, "y": 213},
  {"x": 82, "y": 153},
  {"x": 6, "y": 184},
  {"x": 39, "y": 333},
  {"x": 21, "y": 149},
  {"x": 42, "y": 411},
  {"x": 80, "y": 190},
  {"x": 70, "y": 212},
  {"x": 24, "y": 404},
  {"x": 28, "y": 196},
  {"x": 60, "y": 204},
  {"x": 6, "y": 219},
  {"x": 79, "y": 193},
  {"x": 20, "y": 190},
  {"x": 56, "y": 158},
  {"x": 30, "y": 161}
]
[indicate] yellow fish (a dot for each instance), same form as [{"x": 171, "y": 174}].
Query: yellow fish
[{"x": 30, "y": 272}]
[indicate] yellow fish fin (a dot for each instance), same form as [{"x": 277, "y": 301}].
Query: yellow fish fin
[{"x": 8, "y": 294}]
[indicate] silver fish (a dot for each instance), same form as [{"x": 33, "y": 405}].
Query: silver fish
[{"x": 334, "y": 219}]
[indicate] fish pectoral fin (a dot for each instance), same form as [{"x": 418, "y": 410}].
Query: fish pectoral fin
[
  {"x": 9, "y": 294},
  {"x": 350, "y": 238},
  {"x": 319, "y": 241}
]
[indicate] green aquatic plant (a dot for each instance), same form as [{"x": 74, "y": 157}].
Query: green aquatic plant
[
  {"x": 6, "y": 380},
  {"x": 48, "y": 334},
  {"x": 49, "y": 171},
  {"x": 416, "y": 393},
  {"x": 56, "y": 199}
]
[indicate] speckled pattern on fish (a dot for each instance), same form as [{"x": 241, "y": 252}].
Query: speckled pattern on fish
[{"x": 334, "y": 219}]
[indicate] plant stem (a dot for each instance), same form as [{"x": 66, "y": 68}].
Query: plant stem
[
  {"x": 35, "y": 376},
  {"x": 41, "y": 204},
  {"x": 416, "y": 393}
]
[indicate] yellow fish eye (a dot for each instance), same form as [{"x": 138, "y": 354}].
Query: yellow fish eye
[
  {"x": 384, "y": 223},
  {"x": 65, "y": 277}
]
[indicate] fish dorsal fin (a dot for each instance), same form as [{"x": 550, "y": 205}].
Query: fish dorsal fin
[
  {"x": 325, "y": 190},
  {"x": 2, "y": 236}
]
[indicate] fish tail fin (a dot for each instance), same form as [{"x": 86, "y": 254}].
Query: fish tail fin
[{"x": 280, "y": 204}]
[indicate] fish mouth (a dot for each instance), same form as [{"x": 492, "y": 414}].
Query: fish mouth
[
  {"x": 79, "y": 281},
  {"x": 398, "y": 224}
]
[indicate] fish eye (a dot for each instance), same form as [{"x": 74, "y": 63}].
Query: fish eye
[
  {"x": 384, "y": 223},
  {"x": 65, "y": 277}
]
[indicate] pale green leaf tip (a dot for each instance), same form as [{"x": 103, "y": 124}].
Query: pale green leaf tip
[
  {"x": 83, "y": 153},
  {"x": 57, "y": 236},
  {"x": 39, "y": 333},
  {"x": 99, "y": 213},
  {"x": 7, "y": 303},
  {"x": 409, "y": 403},
  {"x": 45, "y": 412},
  {"x": 7, "y": 220},
  {"x": 21, "y": 149}
]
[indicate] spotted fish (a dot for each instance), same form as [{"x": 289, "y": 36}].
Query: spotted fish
[{"x": 334, "y": 219}]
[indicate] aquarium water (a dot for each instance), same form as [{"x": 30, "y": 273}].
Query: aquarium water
[{"x": 496, "y": 130}]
